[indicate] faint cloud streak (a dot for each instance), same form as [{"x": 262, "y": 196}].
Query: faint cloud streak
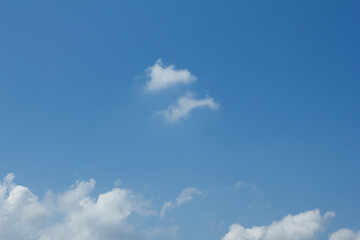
[
  {"x": 185, "y": 196},
  {"x": 184, "y": 106}
]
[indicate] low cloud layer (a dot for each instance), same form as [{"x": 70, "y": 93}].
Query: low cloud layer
[
  {"x": 185, "y": 196},
  {"x": 75, "y": 215},
  {"x": 162, "y": 77},
  {"x": 185, "y": 105},
  {"x": 303, "y": 226}
]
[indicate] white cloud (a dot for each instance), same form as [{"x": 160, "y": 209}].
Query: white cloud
[
  {"x": 162, "y": 77},
  {"x": 243, "y": 184},
  {"x": 345, "y": 234},
  {"x": 185, "y": 196},
  {"x": 70, "y": 215},
  {"x": 303, "y": 226},
  {"x": 185, "y": 105}
]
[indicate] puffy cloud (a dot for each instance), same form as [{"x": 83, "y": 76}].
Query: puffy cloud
[
  {"x": 162, "y": 77},
  {"x": 298, "y": 227},
  {"x": 185, "y": 196},
  {"x": 238, "y": 232},
  {"x": 345, "y": 234},
  {"x": 20, "y": 211},
  {"x": 185, "y": 105},
  {"x": 69, "y": 215}
]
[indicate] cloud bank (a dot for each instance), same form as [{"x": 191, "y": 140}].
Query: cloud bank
[
  {"x": 75, "y": 215},
  {"x": 185, "y": 105},
  {"x": 162, "y": 77},
  {"x": 185, "y": 196},
  {"x": 303, "y": 226}
]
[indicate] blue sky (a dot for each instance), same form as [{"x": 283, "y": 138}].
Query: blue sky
[{"x": 257, "y": 117}]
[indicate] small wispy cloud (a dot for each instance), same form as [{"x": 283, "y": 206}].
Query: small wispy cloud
[
  {"x": 155, "y": 233},
  {"x": 185, "y": 105},
  {"x": 238, "y": 184},
  {"x": 162, "y": 77},
  {"x": 185, "y": 196},
  {"x": 244, "y": 184}
]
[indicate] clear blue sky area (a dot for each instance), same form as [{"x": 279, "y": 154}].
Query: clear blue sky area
[{"x": 286, "y": 76}]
